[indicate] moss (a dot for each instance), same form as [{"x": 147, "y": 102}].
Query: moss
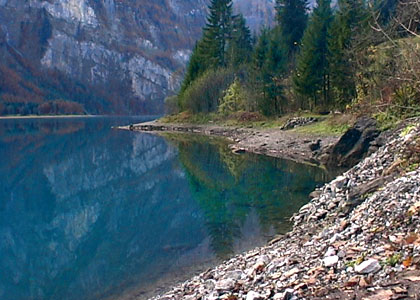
[
  {"x": 386, "y": 120},
  {"x": 357, "y": 261},
  {"x": 407, "y": 130},
  {"x": 393, "y": 260},
  {"x": 323, "y": 128}
]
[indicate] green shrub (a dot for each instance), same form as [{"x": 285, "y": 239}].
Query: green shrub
[
  {"x": 204, "y": 94},
  {"x": 233, "y": 99},
  {"x": 406, "y": 100}
]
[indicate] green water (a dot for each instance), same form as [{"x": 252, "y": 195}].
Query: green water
[{"x": 87, "y": 212}]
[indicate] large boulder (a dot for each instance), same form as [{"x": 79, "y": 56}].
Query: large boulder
[{"x": 354, "y": 145}]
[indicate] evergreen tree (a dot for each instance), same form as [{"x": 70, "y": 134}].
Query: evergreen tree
[
  {"x": 269, "y": 66},
  {"x": 240, "y": 44},
  {"x": 226, "y": 41},
  {"x": 311, "y": 78},
  {"x": 196, "y": 67},
  {"x": 347, "y": 23},
  {"x": 218, "y": 32},
  {"x": 385, "y": 10},
  {"x": 292, "y": 17},
  {"x": 258, "y": 63},
  {"x": 210, "y": 51}
]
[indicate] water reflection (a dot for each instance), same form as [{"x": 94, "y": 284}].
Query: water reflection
[
  {"x": 229, "y": 188},
  {"x": 87, "y": 212}
]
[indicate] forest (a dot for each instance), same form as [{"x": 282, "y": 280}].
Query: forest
[{"x": 357, "y": 56}]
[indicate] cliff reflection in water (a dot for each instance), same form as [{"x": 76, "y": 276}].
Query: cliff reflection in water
[{"x": 88, "y": 212}]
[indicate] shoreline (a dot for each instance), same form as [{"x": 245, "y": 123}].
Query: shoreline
[
  {"x": 47, "y": 117},
  {"x": 358, "y": 238},
  {"x": 271, "y": 142}
]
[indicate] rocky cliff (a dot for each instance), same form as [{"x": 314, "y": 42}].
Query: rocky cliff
[
  {"x": 108, "y": 55},
  {"x": 99, "y": 56},
  {"x": 258, "y": 13}
]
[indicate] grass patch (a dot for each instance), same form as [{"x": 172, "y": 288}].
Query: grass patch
[
  {"x": 327, "y": 126},
  {"x": 189, "y": 118}
]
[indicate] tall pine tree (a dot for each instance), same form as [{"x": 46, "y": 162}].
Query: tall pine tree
[
  {"x": 292, "y": 17},
  {"x": 347, "y": 23},
  {"x": 218, "y": 32},
  {"x": 226, "y": 42},
  {"x": 268, "y": 68},
  {"x": 311, "y": 78},
  {"x": 240, "y": 45},
  {"x": 196, "y": 66}
]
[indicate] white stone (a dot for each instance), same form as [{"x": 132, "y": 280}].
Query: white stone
[
  {"x": 341, "y": 254},
  {"x": 368, "y": 266},
  {"x": 330, "y": 252},
  {"x": 331, "y": 261},
  {"x": 254, "y": 296},
  {"x": 278, "y": 296}
]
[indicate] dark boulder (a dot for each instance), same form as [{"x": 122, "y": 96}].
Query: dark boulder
[
  {"x": 315, "y": 146},
  {"x": 354, "y": 145}
]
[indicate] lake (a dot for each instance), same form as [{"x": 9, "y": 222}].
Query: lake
[{"x": 89, "y": 212}]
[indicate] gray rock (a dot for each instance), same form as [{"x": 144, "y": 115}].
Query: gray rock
[
  {"x": 236, "y": 274},
  {"x": 225, "y": 284},
  {"x": 368, "y": 266}
]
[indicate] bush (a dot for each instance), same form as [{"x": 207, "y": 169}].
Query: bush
[
  {"x": 204, "y": 94},
  {"x": 233, "y": 100},
  {"x": 406, "y": 100}
]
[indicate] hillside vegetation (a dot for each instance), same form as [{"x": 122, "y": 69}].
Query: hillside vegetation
[{"x": 362, "y": 57}]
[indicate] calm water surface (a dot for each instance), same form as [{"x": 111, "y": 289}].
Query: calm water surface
[{"x": 87, "y": 212}]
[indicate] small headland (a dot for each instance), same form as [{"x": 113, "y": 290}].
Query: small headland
[{"x": 288, "y": 138}]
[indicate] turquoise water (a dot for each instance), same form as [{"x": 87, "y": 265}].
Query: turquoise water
[{"x": 87, "y": 212}]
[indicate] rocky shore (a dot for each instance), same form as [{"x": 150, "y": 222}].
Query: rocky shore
[{"x": 358, "y": 238}]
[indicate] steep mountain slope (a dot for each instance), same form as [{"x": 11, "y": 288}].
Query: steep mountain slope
[
  {"x": 258, "y": 13},
  {"x": 109, "y": 55},
  {"x": 99, "y": 56}
]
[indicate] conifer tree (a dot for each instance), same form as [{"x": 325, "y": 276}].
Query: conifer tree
[
  {"x": 311, "y": 78},
  {"x": 240, "y": 44},
  {"x": 196, "y": 66},
  {"x": 385, "y": 10},
  {"x": 226, "y": 40},
  {"x": 268, "y": 67},
  {"x": 347, "y": 23},
  {"x": 292, "y": 17},
  {"x": 217, "y": 32},
  {"x": 258, "y": 63}
]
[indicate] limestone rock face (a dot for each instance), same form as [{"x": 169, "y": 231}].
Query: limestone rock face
[
  {"x": 110, "y": 56},
  {"x": 258, "y": 13},
  {"x": 120, "y": 57}
]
